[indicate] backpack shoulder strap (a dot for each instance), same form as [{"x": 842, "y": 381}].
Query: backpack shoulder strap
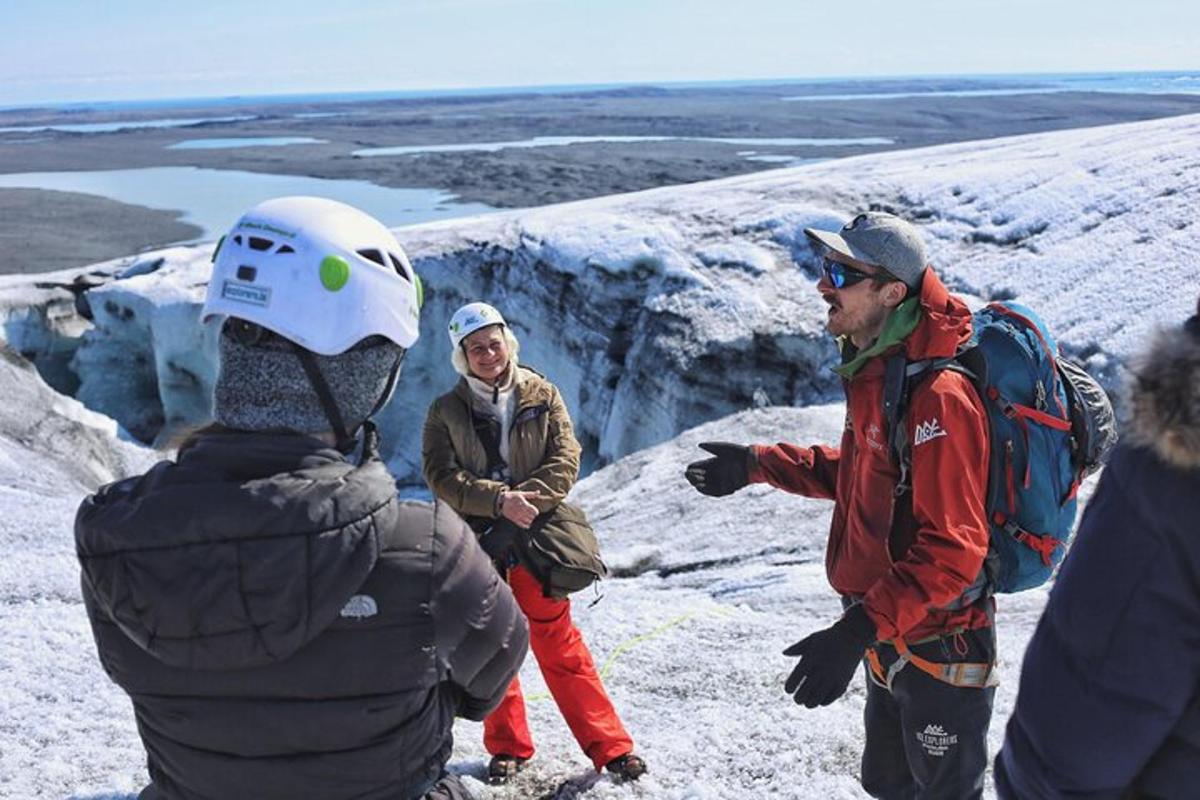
[
  {"x": 968, "y": 362},
  {"x": 901, "y": 376}
]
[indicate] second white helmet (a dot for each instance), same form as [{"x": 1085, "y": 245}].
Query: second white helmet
[{"x": 471, "y": 318}]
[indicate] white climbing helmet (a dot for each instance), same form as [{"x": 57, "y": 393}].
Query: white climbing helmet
[
  {"x": 318, "y": 272},
  {"x": 471, "y": 318}
]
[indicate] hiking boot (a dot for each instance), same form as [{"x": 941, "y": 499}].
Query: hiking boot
[
  {"x": 627, "y": 767},
  {"x": 503, "y": 768}
]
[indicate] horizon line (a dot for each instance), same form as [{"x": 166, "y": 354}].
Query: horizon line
[{"x": 550, "y": 88}]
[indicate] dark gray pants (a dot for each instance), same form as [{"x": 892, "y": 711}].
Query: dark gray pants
[{"x": 926, "y": 739}]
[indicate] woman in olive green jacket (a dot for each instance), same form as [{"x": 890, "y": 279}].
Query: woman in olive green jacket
[
  {"x": 500, "y": 445},
  {"x": 543, "y": 455}
]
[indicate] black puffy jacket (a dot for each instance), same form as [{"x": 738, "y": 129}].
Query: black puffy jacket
[
  {"x": 285, "y": 627},
  {"x": 1109, "y": 702}
]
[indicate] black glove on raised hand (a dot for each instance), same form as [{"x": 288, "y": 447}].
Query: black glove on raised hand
[
  {"x": 722, "y": 475},
  {"x": 828, "y": 659}
]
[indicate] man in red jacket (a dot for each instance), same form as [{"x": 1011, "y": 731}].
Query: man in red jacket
[{"x": 902, "y": 548}]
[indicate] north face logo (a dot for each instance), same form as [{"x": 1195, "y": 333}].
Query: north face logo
[
  {"x": 930, "y": 429},
  {"x": 360, "y": 606}
]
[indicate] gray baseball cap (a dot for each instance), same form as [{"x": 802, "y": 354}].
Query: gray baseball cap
[{"x": 880, "y": 239}]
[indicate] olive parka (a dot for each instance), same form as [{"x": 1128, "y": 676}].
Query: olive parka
[{"x": 543, "y": 451}]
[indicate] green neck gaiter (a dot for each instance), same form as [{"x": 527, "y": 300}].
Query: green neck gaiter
[{"x": 899, "y": 325}]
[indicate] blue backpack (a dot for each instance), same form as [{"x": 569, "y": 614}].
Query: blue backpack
[{"x": 1050, "y": 425}]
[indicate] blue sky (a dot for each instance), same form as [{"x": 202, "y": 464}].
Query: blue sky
[{"x": 64, "y": 50}]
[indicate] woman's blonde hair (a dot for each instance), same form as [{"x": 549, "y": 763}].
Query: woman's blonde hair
[{"x": 458, "y": 356}]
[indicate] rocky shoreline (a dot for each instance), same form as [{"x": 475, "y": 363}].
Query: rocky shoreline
[{"x": 43, "y": 230}]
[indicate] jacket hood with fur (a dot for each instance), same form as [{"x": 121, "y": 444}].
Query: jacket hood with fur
[{"x": 1165, "y": 397}]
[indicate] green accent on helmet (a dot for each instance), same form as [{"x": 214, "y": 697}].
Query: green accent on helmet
[
  {"x": 335, "y": 272},
  {"x": 420, "y": 290},
  {"x": 216, "y": 250}
]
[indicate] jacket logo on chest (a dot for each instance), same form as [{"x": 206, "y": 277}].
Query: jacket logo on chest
[
  {"x": 930, "y": 429},
  {"x": 873, "y": 437},
  {"x": 533, "y": 412},
  {"x": 360, "y": 606}
]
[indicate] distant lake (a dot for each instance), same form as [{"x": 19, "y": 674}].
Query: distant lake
[
  {"x": 245, "y": 141},
  {"x": 214, "y": 199},
  {"x": 109, "y": 127},
  {"x": 789, "y": 161},
  {"x": 560, "y": 141}
]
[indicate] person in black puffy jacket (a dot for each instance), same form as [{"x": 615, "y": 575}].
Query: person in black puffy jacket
[
  {"x": 285, "y": 626},
  {"x": 1109, "y": 701}
]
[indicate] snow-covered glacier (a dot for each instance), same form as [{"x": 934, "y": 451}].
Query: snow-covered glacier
[
  {"x": 659, "y": 310},
  {"x": 705, "y": 594}
]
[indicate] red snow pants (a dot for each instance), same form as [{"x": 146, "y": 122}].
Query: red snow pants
[{"x": 570, "y": 675}]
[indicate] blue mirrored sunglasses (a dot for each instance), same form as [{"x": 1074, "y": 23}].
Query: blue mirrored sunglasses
[{"x": 842, "y": 275}]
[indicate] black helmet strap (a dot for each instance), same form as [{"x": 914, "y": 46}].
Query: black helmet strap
[{"x": 345, "y": 442}]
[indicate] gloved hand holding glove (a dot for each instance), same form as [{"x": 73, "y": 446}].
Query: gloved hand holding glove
[
  {"x": 828, "y": 659},
  {"x": 724, "y": 474}
]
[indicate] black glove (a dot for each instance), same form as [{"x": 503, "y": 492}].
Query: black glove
[
  {"x": 828, "y": 659},
  {"x": 725, "y": 474}
]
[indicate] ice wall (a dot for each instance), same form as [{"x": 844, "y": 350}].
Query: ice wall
[
  {"x": 52, "y": 444},
  {"x": 645, "y": 328},
  {"x": 123, "y": 337},
  {"x": 642, "y": 344}
]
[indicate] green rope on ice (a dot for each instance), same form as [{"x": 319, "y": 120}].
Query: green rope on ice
[{"x": 627, "y": 645}]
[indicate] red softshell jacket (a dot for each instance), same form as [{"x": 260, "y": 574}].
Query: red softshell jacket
[{"x": 904, "y": 576}]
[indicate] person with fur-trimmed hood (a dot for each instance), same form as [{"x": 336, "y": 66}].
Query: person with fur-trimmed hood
[
  {"x": 1109, "y": 700},
  {"x": 499, "y": 448},
  {"x": 284, "y": 626}
]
